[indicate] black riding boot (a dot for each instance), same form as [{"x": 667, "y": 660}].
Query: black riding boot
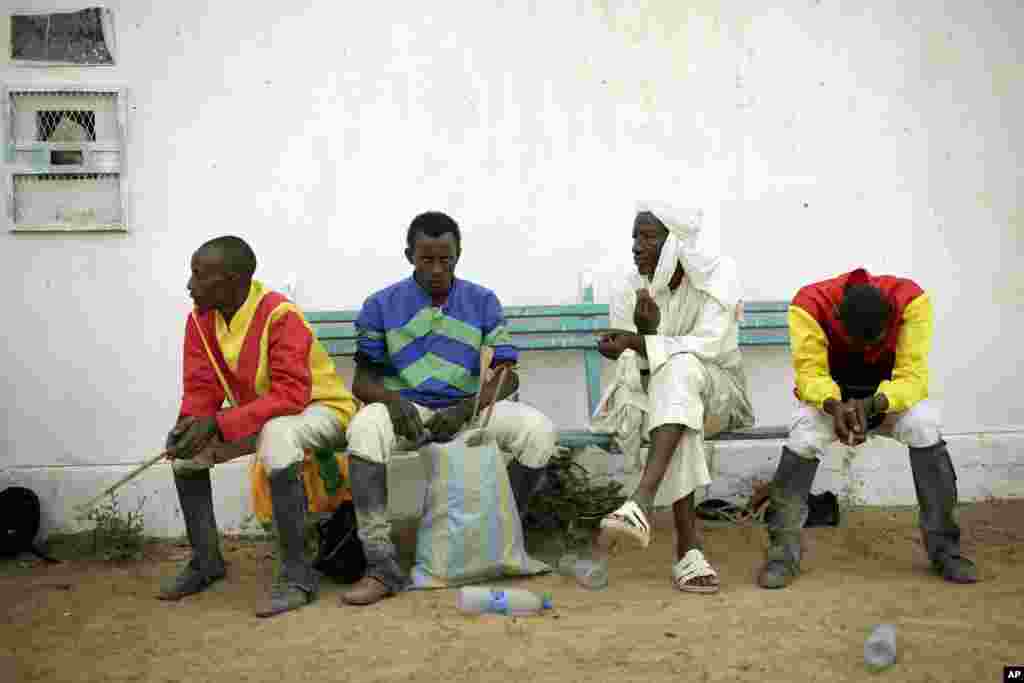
[
  {"x": 789, "y": 490},
  {"x": 935, "y": 482}
]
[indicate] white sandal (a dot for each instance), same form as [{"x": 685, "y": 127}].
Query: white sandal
[
  {"x": 628, "y": 523},
  {"x": 693, "y": 566}
]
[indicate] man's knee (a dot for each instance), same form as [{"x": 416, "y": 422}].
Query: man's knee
[
  {"x": 680, "y": 381},
  {"x": 918, "y": 427},
  {"x": 279, "y": 446},
  {"x": 810, "y": 433},
  {"x": 540, "y": 439},
  {"x": 684, "y": 368},
  {"x": 368, "y": 431}
]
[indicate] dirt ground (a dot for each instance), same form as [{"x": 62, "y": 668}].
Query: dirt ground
[{"x": 97, "y": 621}]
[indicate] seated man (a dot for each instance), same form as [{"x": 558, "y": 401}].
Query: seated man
[
  {"x": 253, "y": 346},
  {"x": 417, "y": 369},
  {"x": 677, "y": 345},
  {"x": 860, "y": 348}
]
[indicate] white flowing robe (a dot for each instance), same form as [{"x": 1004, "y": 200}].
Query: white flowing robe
[{"x": 696, "y": 371}]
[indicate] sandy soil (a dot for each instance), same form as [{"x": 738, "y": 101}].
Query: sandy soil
[{"x": 98, "y": 621}]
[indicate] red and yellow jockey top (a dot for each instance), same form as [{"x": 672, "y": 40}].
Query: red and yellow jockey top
[
  {"x": 823, "y": 359},
  {"x": 271, "y": 361}
]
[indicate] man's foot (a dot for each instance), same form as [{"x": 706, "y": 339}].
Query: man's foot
[
  {"x": 693, "y": 574},
  {"x": 189, "y": 581},
  {"x": 366, "y": 591},
  {"x": 284, "y": 597},
  {"x": 957, "y": 569},
  {"x": 627, "y": 524}
]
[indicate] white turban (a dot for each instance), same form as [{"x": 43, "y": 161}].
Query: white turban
[{"x": 689, "y": 244}]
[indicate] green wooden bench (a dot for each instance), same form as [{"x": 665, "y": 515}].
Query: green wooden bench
[{"x": 571, "y": 328}]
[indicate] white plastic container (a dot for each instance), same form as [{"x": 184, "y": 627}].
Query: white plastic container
[
  {"x": 513, "y": 602},
  {"x": 592, "y": 574},
  {"x": 880, "y": 647}
]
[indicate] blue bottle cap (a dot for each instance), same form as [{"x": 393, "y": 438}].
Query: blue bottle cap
[{"x": 499, "y": 602}]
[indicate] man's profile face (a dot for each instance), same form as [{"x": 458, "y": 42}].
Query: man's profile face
[
  {"x": 210, "y": 284},
  {"x": 648, "y": 240},
  {"x": 434, "y": 259}
]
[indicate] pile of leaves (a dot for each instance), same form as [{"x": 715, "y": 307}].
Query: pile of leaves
[{"x": 570, "y": 502}]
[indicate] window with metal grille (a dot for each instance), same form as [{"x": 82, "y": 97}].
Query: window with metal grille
[
  {"x": 64, "y": 152},
  {"x": 68, "y": 125}
]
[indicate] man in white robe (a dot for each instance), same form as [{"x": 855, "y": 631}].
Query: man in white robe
[{"x": 679, "y": 377}]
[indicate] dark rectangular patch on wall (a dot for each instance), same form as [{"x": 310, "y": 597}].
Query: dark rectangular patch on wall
[{"x": 68, "y": 37}]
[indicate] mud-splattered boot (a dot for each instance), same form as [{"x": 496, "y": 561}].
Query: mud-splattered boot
[
  {"x": 788, "y": 510},
  {"x": 297, "y": 582},
  {"x": 195, "y": 495},
  {"x": 935, "y": 482}
]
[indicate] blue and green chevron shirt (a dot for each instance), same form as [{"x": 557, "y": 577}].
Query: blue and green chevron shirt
[{"x": 432, "y": 355}]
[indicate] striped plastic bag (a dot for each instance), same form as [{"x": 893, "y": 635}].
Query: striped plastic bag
[{"x": 471, "y": 531}]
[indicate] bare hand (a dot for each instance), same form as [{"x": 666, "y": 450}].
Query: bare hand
[
  {"x": 612, "y": 344},
  {"x": 850, "y": 421},
  {"x": 646, "y": 314}
]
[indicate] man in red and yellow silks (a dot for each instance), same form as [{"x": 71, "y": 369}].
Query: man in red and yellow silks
[
  {"x": 860, "y": 347},
  {"x": 253, "y": 348}
]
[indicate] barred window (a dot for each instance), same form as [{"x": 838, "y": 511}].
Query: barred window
[{"x": 64, "y": 156}]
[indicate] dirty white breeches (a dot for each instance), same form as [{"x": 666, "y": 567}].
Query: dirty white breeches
[
  {"x": 812, "y": 430},
  {"x": 699, "y": 396},
  {"x": 284, "y": 440},
  {"x": 519, "y": 430}
]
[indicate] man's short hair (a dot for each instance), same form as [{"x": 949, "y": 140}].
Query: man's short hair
[
  {"x": 237, "y": 255},
  {"x": 864, "y": 311},
  {"x": 433, "y": 224}
]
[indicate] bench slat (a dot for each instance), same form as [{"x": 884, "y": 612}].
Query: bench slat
[
  {"x": 345, "y": 347},
  {"x": 570, "y": 328},
  {"x": 581, "y": 438},
  {"x": 752, "y": 328},
  {"x": 753, "y": 311}
]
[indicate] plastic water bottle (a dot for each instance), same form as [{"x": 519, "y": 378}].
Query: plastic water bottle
[
  {"x": 512, "y": 602},
  {"x": 880, "y": 648},
  {"x": 592, "y": 574}
]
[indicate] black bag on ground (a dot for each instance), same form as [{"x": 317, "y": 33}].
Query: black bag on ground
[
  {"x": 823, "y": 509},
  {"x": 340, "y": 554},
  {"x": 19, "y": 522}
]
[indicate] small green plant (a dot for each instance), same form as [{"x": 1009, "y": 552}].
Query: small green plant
[
  {"x": 571, "y": 503},
  {"x": 118, "y": 535}
]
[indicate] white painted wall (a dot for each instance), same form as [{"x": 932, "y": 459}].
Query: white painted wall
[{"x": 820, "y": 135}]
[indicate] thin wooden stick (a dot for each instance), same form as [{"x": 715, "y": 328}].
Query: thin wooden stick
[
  {"x": 82, "y": 509},
  {"x": 486, "y": 356}
]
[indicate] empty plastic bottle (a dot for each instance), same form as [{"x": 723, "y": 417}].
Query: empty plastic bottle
[
  {"x": 880, "y": 647},
  {"x": 592, "y": 574},
  {"x": 510, "y": 601}
]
